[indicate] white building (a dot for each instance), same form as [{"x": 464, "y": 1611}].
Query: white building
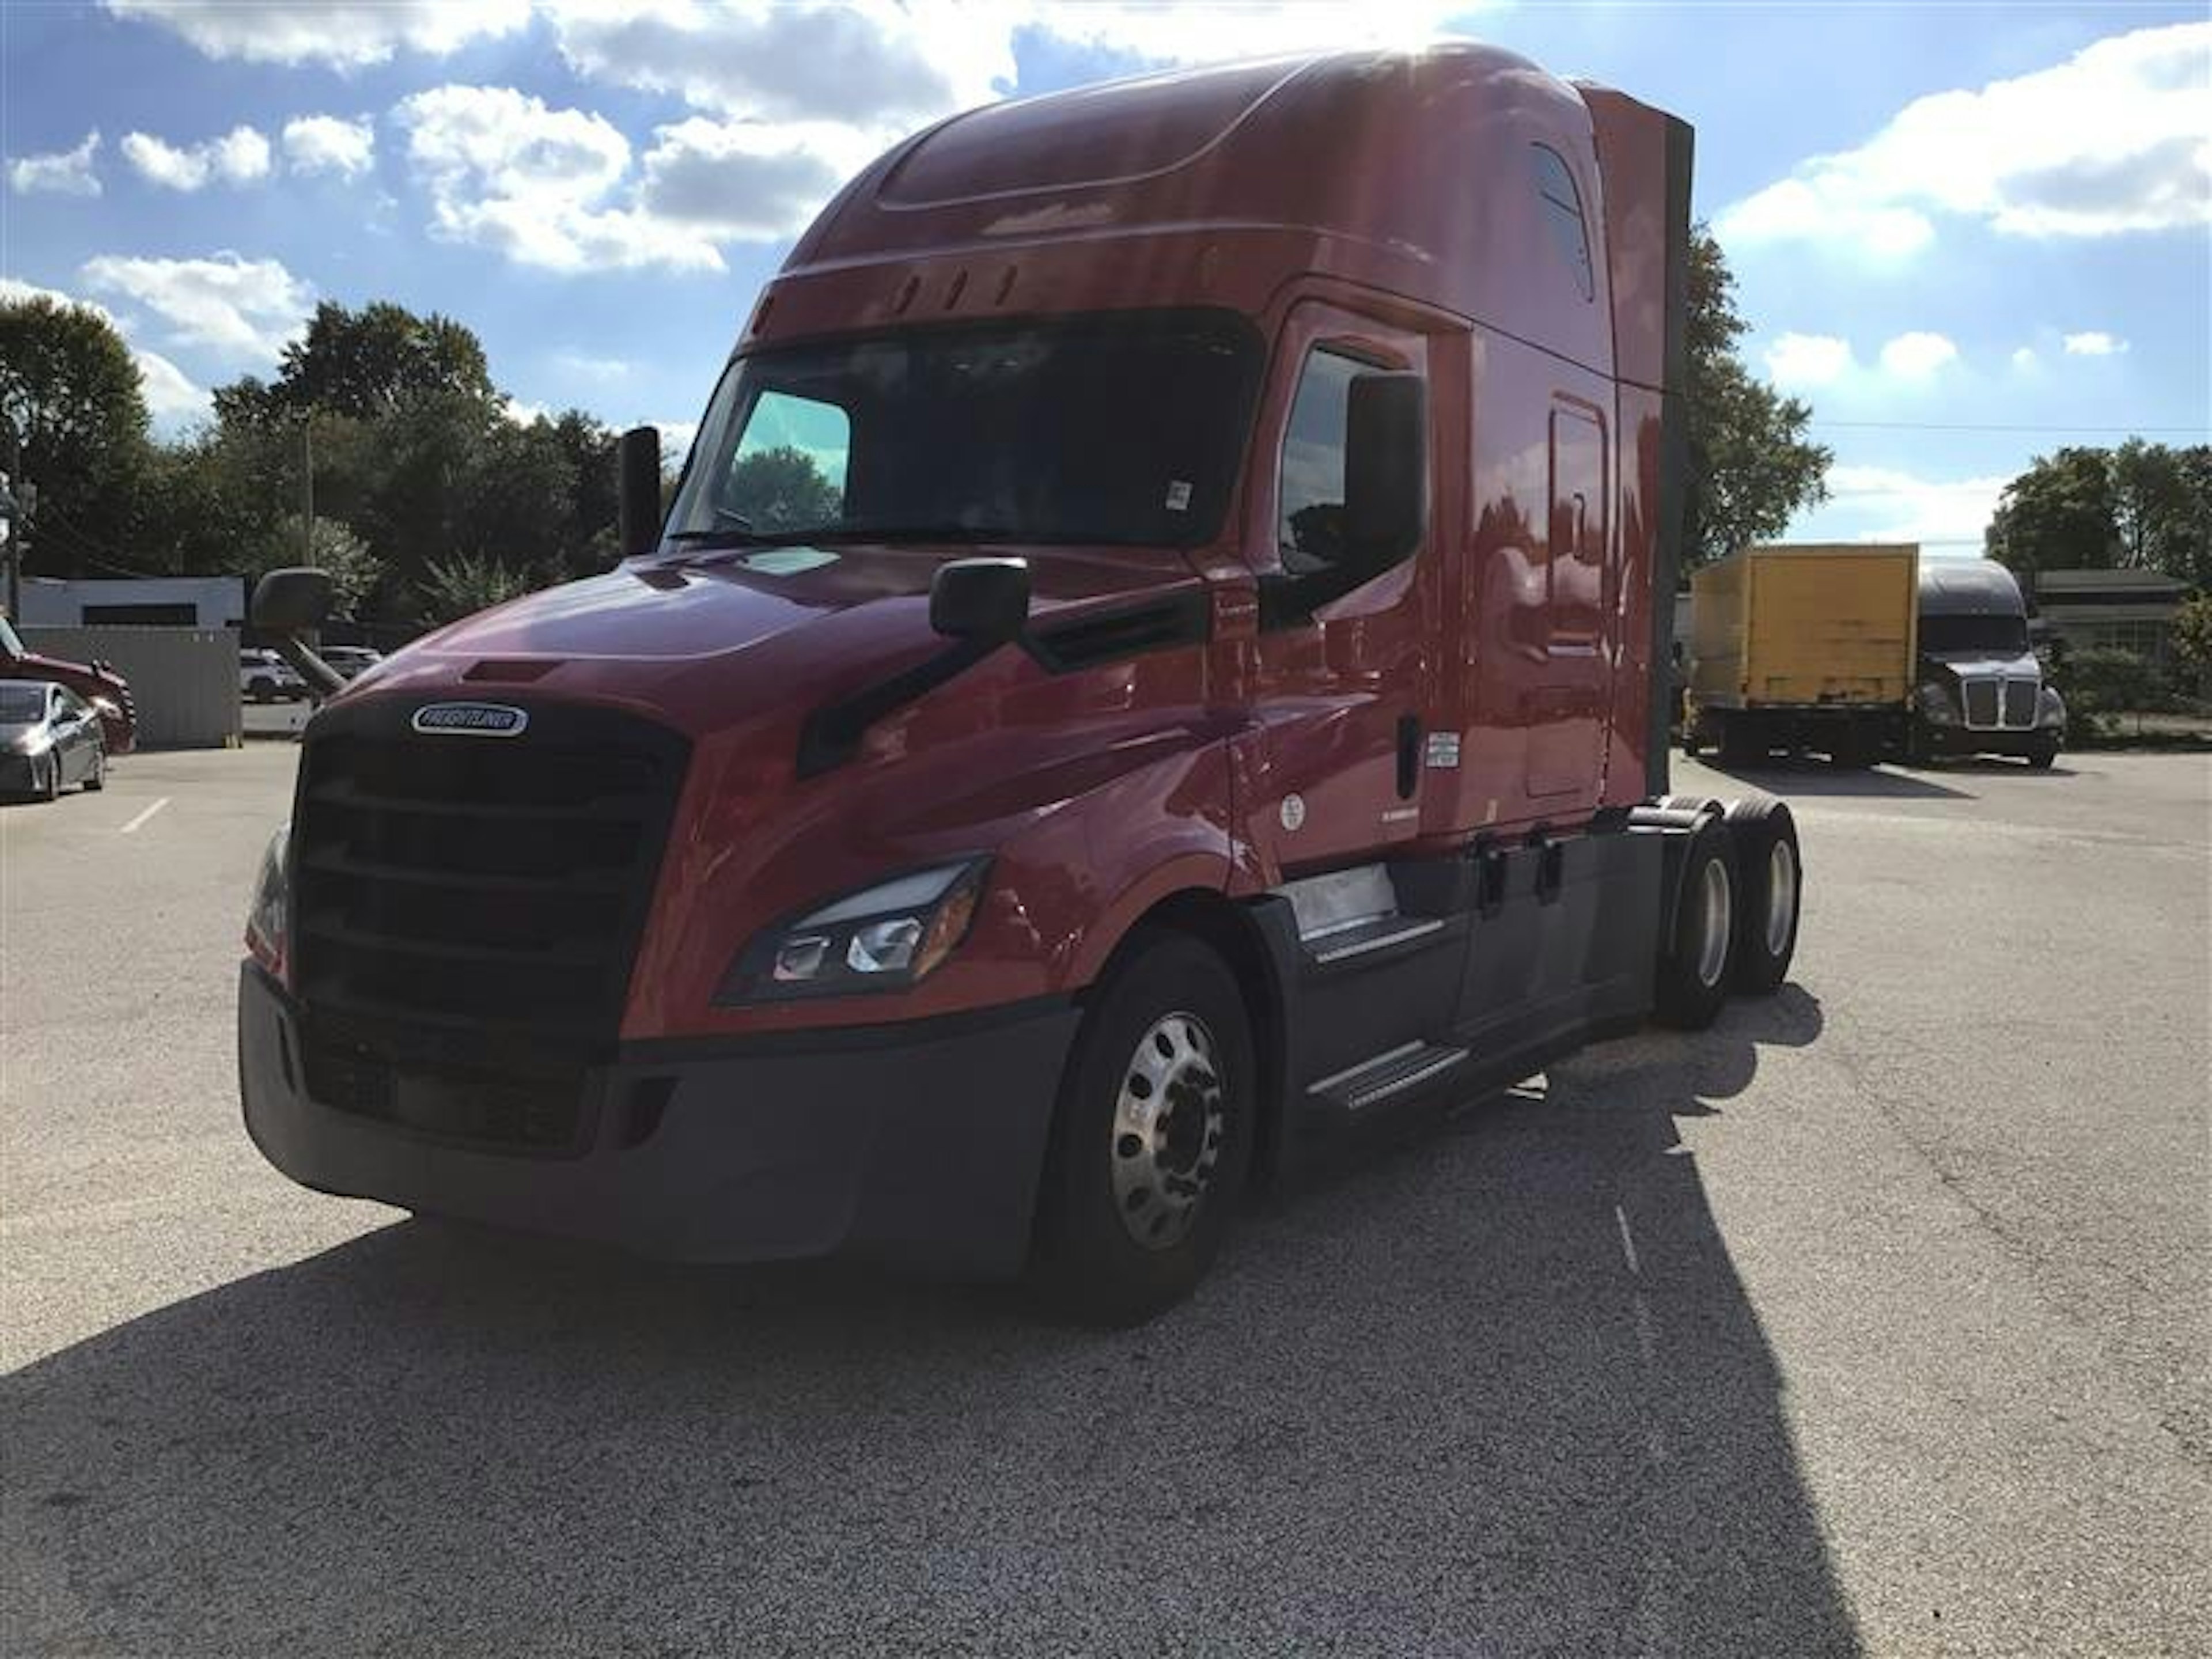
[{"x": 140, "y": 602}]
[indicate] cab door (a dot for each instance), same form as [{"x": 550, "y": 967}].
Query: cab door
[{"x": 1346, "y": 694}]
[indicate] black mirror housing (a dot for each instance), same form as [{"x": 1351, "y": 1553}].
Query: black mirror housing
[
  {"x": 294, "y": 600},
  {"x": 985, "y": 601},
  {"x": 1386, "y": 468},
  {"x": 639, "y": 490}
]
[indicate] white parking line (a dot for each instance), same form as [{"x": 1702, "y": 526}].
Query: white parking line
[{"x": 131, "y": 827}]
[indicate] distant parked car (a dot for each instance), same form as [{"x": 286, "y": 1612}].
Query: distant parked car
[
  {"x": 99, "y": 685},
  {"x": 264, "y": 676},
  {"x": 50, "y": 737},
  {"x": 350, "y": 659}
]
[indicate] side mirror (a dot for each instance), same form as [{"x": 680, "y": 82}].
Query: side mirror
[
  {"x": 1386, "y": 469},
  {"x": 291, "y": 601},
  {"x": 639, "y": 490},
  {"x": 985, "y": 601}
]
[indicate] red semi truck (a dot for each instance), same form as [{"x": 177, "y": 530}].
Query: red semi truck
[{"x": 1152, "y": 668}]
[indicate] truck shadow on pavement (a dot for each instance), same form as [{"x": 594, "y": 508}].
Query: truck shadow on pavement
[
  {"x": 1814, "y": 778},
  {"x": 1497, "y": 1388}
]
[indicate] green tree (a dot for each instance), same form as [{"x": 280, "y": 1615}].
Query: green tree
[
  {"x": 468, "y": 582},
  {"x": 781, "y": 489},
  {"x": 373, "y": 361},
  {"x": 1751, "y": 467},
  {"x": 2143, "y": 506},
  {"x": 70, "y": 398},
  {"x": 2192, "y": 634},
  {"x": 354, "y": 571}
]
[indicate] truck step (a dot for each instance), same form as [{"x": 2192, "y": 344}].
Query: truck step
[
  {"x": 1365, "y": 937},
  {"x": 1392, "y": 1075}
]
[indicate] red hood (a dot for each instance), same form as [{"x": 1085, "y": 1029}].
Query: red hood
[{"x": 715, "y": 640}]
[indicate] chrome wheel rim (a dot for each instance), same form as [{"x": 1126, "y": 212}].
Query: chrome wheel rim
[
  {"x": 1169, "y": 1121},
  {"x": 1714, "y": 908},
  {"x": 1781, "y": 897}
]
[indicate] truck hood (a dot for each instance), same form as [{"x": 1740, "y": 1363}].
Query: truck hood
[
  {"x": 1980, "y": 664},
  {"x": 704, "y": 641}
]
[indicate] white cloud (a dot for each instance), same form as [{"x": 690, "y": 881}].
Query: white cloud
[
  {"x": 1889, "y": 504},
  {"x": 240, "y": 156},
  {"x": 885, "y": 66},
  {"x": 1917, "y": 355},
  {"x": 1808, "y": 358},
  {"x": 1215, "y": 34},
  {"x": 171, "y": 396},
  {"x": 744, "y": 180},
  {"x": 2093, "y": 343},
  {"x": 676, "y": 438},
  {"x": 351, "y": 35},
  {"x": 324, "y": 143},
  {"x": 2114, "y": 140},
  {"x": 505, "y": 171},
  {"x": 587, "y": 367},
  {"x": 62, "y": 172},
  {"x": 242, "y": 308},
  {"x": 556, "y": 188},
  {"x": 15, "y": 291},
  {"x": 525, "y": 414},
  {"x": 2025, "y": 361}
]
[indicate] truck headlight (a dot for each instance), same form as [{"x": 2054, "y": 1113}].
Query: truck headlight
[
  {"x": 884, "y": 938},
  {"x": 1935, "y": 705},
  {"x": 268, "y": 918}
]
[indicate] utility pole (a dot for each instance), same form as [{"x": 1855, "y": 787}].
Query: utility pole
[{"x": 307, "y": 488}]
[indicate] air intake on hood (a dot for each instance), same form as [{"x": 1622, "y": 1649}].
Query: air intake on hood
[{"x": 1125, "y": 631}]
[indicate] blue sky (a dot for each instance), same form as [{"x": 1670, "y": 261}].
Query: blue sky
[{"x": 1942, "y": 216}]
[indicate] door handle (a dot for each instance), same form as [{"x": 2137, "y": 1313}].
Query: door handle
[{"x": 1409, "y": 756}]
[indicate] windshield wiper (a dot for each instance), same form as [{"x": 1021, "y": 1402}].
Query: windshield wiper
[{"x": 732, "y": 536}]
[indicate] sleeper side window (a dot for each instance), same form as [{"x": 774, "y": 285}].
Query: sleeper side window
[
  {"x": 1310, "y": 525},
  {"x": 1561, "y": 205}
]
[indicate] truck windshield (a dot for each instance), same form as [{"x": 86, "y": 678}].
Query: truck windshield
[
  {"x": 1115, "y": 430},
  {"x": 1974, "y": 633}
]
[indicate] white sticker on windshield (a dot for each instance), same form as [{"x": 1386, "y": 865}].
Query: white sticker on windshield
[{"x": 1179, "y": 495}]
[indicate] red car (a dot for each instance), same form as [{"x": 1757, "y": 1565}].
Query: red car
[{"x": 107, "y": 691}]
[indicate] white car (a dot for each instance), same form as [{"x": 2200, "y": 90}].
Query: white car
[
  {"x": 264, "y": 676},
  {"x": 350, "y": 659}
]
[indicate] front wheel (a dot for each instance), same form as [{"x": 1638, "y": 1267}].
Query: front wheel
[
  {"x": 51, "y": 788},
  {"x": 96, "y": 780},
  {"x": 1152, "y": 1136},
  {"x": 2043, "y": 754}
]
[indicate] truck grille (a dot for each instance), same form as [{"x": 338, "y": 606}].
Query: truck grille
[
  {"x": 2000, "y": 703},
  {"x": 494, "y": 889}
]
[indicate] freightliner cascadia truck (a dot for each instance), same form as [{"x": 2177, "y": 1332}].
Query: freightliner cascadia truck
[{"x": 1195, "y": 692}]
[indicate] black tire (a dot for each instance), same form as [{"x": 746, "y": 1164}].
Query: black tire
[
  {"x": 1693, "y": 978},
  {"x": 1089, "y": 1264},
  {"x": 261, "y": 688},
  {"x": 1851, "y": 751},
  {"x": 96, "y": 780},
  {"x": 51, "y": 788},
  {"x": 1766, "y": 913},
  {"x": 1740, "y": 742},
  {"x": 2044, "y": 754}
]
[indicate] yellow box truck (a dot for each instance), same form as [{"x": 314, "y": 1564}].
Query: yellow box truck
[{"x": 1803, "y": 648}]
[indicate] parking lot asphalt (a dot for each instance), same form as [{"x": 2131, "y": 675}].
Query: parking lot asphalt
[{"x": 1875, "y": 1320}]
